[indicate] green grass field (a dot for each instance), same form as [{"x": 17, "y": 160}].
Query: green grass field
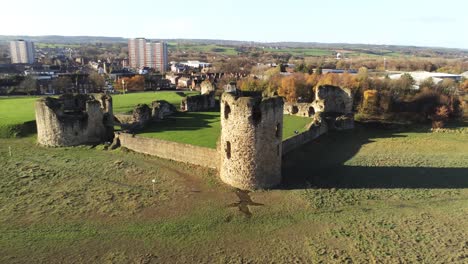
[
  {"x": 15, "y": 111},
  {"x": 124, "y": 103},
  {"x": 363, "y": 196},
  {"x": 200, "y": 129},
  {"x": 55, "y": 45},
  {"x": 306, "y": 52},
  {"x": 225, "y": 50},
  {"x": 204, "y": 128}
]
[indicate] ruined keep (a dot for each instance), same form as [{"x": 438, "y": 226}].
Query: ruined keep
[
  {"x": 72, "y": 120},
  {"x": 251, "y": 141}
]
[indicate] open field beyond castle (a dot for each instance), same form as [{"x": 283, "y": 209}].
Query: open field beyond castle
[{"x": 353, "y": 196}]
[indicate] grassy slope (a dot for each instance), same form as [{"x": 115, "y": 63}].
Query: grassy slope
[
  {"x": 91, "y": 205},
  {"x": 203, "y": 128}
]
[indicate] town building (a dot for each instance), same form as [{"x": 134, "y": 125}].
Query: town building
[
  {"x": 196, "y": 64},
  {"x": 22, "y": 51},
  {"x": 147, "y": 54}
]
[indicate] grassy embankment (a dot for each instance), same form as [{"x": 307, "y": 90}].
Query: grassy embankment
[{"x": 359, "y": 196}]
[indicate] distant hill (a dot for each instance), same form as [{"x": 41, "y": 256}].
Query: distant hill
[
  {"x": 377, "y": 49},
  {"x": 65, "y": 39}
]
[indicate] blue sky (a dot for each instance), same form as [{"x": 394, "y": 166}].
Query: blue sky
[{"x": 417, "y": 22}]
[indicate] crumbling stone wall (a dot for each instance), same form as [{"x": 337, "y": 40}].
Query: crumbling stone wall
[
  {"x": 161, "y": 109},
  {"x": 334, "y": 105},
  {"x": 191, "y": 154},
  {"x": 74, "y": 120},
  {"x": 335, "y": 99},
  {"x": 314, "y": 130},
  {"x": 251, "y": 141},
  {"x": 143, "y": 114},
  {"x": 299, "y": 109},
  {"x": 198, "y": 102},
  {"x": 207, "y": 87}
]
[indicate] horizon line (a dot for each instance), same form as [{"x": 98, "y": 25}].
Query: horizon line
[{"x": 252, "y": 41}]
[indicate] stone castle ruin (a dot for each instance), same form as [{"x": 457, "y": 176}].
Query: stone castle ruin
[
  {"x": 333, "y": 99},
  {"x": 198, "y": 103},
  {"x": 161, "y": 109},
  {"x": 250, "y": 147},
  {"x": 144, "y": 114},
  {"x": 335, "y": 105},
  {"x": 299, "y": 109},
  {"x": 72, "y": 120},
  {"x": 251, "y": 139},
  {"x": 332, "y": 104}
]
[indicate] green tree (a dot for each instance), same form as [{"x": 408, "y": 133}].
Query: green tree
[
  {"x": 28, "y": 85},
  {"x": 97, "y": 80},
  {"x": 62, "y": 84}
]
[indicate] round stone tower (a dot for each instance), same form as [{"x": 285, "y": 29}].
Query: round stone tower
[{"x": 251, "y": 138}]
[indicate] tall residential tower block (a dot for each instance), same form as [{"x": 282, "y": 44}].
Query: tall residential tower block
[
  {"x": 22, "y": 51},
  {"x": 147, "y": 54}
]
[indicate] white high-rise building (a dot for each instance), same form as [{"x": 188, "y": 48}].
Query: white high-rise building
[
  {"x": 147, "y": 54},
  {"x": 22, "y": 51}
]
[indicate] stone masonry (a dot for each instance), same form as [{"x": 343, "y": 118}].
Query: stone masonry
[
  {"x": 161, "y": 109},
  {"x": 74, "y": 120},
  {"x": 299, "y": 109},
  {"x": 251, "y": 141},
  {"x": 197, "y": 103},
  {"x": 330, "y": 98}
]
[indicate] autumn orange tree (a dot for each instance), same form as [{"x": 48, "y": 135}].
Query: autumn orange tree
[
  {"x": 135, "y": 83},
  {"x": 464, "y": 86},
  {"x": 294, "y": 88}
]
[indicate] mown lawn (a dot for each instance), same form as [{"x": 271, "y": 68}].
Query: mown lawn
[
  {"x": 15, "y": 111},
  {"x": 363, "y": 196},
  {"x": 124, "y": 103},
  {"x": 204, "y": 128}
]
